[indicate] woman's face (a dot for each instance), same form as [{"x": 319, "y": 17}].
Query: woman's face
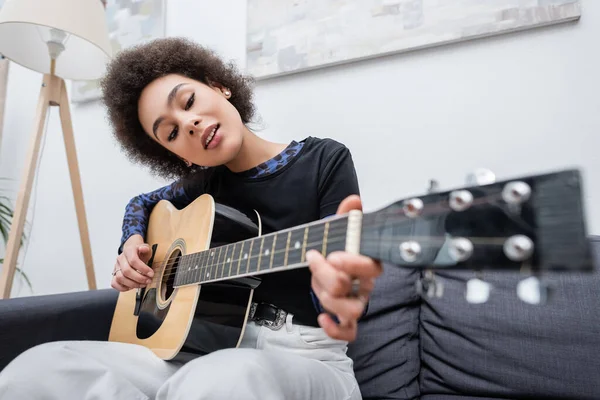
[{"x": 191, "y": 119}]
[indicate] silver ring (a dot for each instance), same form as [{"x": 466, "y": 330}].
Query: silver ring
[
  {"x": 355, "y": 289},
  {"x": 115, "y": 271}
]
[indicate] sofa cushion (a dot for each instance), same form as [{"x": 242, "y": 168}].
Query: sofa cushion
[
  {"x": 386, "y": 351},
  {"x": 506, "y": 348}
]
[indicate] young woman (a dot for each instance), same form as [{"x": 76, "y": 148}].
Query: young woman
[{"x": 178, "y": 109}]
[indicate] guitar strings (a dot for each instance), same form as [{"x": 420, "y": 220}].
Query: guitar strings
[
  {"x": 374, "y": 220},
  {"x": 201, "y": 269},
  {"x": 365, "y": 240},
  {"x": 343, "y": 229}
]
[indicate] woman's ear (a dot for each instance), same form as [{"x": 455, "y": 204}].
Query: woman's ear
[
  {"x": 188, "y": 163},
  {"x": 225, "y": 92}
]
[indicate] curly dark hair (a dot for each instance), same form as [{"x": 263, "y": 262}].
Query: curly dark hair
[{"x": 136, "y": 67}]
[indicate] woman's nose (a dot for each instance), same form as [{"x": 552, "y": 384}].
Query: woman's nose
[{"x": 194, "y": 126}]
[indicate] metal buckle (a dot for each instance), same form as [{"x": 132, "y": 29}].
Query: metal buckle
[{"x": 273, "y": 325}]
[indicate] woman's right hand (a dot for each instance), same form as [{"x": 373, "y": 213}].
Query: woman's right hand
[{"x": 131, "y": 270}]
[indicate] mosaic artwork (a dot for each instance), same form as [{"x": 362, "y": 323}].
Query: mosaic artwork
[
  {"x": 129, "y": 22},
  {"x": 287, "y": 36}
]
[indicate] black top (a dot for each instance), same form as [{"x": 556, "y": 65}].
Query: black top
[
  {"x": 310, "y": 186},
  {"x": 304, "y": 183}
]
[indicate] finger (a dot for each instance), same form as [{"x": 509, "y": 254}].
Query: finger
[
  {"x": 362, "y": 296},
  {"x": 124, "y": 281},
  {"x": 118, "y": 286},
  {"x": 329, "y": 278},
  {"x": 365, "y": 288},
  {"x": 346, "y": 308},
  {"x": 351, "y": 202},
  {"x": 340, "y": 332},
  {"x": 144, "y": 252},
  {"x": 316, "y": 286},
  {"x": 136, "y": 258},
  {"x": 355, "y": 265},
  {"x": 131, "y": 273}
]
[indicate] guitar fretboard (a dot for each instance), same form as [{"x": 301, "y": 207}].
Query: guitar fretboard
[{"x": 269, "y": 253}]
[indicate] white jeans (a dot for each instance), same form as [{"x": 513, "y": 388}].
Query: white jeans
[{"x": 295, "y": 362}]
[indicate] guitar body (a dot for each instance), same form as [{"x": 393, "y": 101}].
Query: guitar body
[{"x": 195, "y": 319}]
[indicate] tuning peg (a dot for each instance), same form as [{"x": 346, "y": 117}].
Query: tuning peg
[
  {"x": 516, "y": 192},
  {"x": 481, "y": 176},
  {"x": 460, "y": 200},
  {"x": 413, "y": 207},
  {"x": 410, "y": 250},
  {"x": 460, "y": 249},
  {"x": 429, "y": 286},
  {"x": 518, "y": 248},
  {"x": 434, "y": 186},
  {"x": 478, "y": 291},
  {"x": 533, "y": 291}
]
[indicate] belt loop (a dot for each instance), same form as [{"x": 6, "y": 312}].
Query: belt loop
[{"x": 288, "y": 323}]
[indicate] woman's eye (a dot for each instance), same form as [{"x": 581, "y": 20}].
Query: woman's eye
[
  {"x": 190, "y": 102},
  {"x": 173, "y": 134}
]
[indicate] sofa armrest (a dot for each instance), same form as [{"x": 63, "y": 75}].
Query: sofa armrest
[{"x": 28, "y": 321}]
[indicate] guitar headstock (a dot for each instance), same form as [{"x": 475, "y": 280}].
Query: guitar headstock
[{"x": 532, "y": 224}]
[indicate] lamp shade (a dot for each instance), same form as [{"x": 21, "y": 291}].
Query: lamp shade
[{"x": 77, "y": 27}]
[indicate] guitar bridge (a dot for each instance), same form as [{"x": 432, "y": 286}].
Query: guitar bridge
[{"x": 139, "y": 296}]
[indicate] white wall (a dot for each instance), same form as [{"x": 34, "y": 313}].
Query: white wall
[{"x": 518, "y": 104}]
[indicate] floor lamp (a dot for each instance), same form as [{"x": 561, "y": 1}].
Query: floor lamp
[{"x": 63, "y": 39}]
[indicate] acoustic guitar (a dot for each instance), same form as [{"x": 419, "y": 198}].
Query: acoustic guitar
[{"x": 208, "y": 258}]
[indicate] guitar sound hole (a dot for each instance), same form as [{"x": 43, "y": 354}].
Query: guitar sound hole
[{"x": 168, "y": 278}]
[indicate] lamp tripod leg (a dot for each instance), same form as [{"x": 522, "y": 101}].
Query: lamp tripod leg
[
  {"x": 67, "y": 128},
  {"x": 21, "y": 206}
]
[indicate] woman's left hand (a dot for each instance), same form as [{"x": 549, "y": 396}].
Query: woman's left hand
[{"x": 332, "y": 283}]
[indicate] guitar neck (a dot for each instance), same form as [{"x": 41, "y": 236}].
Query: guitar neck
[
  {"x": 535, "y": 222},
  {"x": 279, "y": 251}
]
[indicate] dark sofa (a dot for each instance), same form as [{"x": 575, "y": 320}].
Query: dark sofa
[{"x": 409, "y": 347}]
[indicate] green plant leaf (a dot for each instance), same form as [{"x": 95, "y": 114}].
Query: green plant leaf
[
  {"x": 6, "y": 218},
  {"x": 23, "y": 275}
]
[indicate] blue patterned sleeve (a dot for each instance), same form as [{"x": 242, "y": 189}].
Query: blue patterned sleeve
[{"x": 137, "y": 211}]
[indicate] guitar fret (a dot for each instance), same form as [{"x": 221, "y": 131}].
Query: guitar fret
[
  {"x": 221, "y": 262},
  {"x": 226, "y": 260},
  {"x": 170, "y": 270},
  {"x": 253, "y": 256},
  {"x": 337, "y": 235},
  {"x": 210, "y": 272},
  {"x": 304, "y": 244},
  {"x": 266, "y": 250},
  {"x": 279, "y": 253},
  {"x": 295, "y": 246},
  {"x": 273, "y": 250},
  {"x": 181, "y": 270},
  {"x": 262, "y": 242},
  {"x": 314, "y": 239},
  {"x": 325, "y": 232},
  {"x": 204, "y": 261},
  {"x": 287, "y": 248},
  {"x": 182, "y": 267},
  {"x": 190, "y": 263},
  {"x": 178, "y": 273},
  {"x": 249, "y": 257},
  {"x": 240, "y": 259},
  {"x": 231, "y": 258}
]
